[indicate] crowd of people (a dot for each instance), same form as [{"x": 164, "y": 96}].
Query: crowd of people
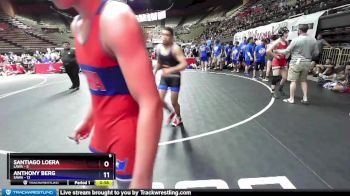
[
  {"x": 25, "y": 62},
  {"x": 259, "y": 13},
  {"x": 114, "y": 74},
  {"x": 261, "y": 60}
]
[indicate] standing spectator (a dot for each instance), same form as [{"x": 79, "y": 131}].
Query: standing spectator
[
  {"x": 302, "y": 49},
  {"x": 217, "y": 55},
  {"x": 71, "y": 66},
  {"x": 249, "y": 55},
  {"x": 260, "y": 58},
  {"x": 195, "y": 54},
  {"x": 320, "y": 44}
]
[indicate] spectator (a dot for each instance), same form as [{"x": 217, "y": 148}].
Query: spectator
[
  {"x": 321, "y": 43},
  {"x": 326, "y": 69},
  {"x": 344, "y": 85},
  {"x": 340, "y": 74},
  {"x": 2, "y": 58}
]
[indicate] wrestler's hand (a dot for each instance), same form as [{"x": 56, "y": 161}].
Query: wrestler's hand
[
  {"x": 141, "y": 184},
  {"x": 82, "y": 131},
  {"x": 277, "y": 56}
]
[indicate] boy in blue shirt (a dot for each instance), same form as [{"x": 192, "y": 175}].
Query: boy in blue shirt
[
  {"x": 217, "y": 54},
  {"x": 228, "y": 52},
  {"x": 249, "y": 55},
  {"x": 235, "y": 57},
  {"x": 204, "y": 49},
  {"x": 260, "y": 58}
]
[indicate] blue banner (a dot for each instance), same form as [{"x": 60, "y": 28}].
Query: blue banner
[{"x": 16, "y": 192}]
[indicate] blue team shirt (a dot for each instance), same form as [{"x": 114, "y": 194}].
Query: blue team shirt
[
  {"x": 204, "y": 50},
  {"x": 217, "y": 50},
  {"x": 228, "y": 50},
  {"x": 209, "y": 43},
  {"x": 242, "y": 47},
  {"x": 249, "y": 48},
  {"x": 260, "y": 51},
  {"x": 235, "y": 52}
]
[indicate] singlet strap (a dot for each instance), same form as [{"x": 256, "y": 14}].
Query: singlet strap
[{"x": 99, "y": 10}]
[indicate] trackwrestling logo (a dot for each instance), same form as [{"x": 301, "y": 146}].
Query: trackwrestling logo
[{"x": 15, "y": 192}]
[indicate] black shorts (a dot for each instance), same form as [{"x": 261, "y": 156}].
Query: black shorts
[
  {"x": 172, "y": 82},
  {"x": 259, "y": 66},
  {"x": 241, "y": 59}
]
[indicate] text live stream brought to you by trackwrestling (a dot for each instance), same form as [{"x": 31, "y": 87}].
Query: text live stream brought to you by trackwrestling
[{"x": 111, "y": 192}]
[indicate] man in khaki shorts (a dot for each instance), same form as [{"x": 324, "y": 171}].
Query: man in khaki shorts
[{"x": 301, "y": 49}]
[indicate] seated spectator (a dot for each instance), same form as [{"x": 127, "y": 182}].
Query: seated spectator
[
  {"x": 326, "y": 69},
  {"x": 341, "y": 87},
  {"x": 339, "y": 74},
  {"x": 2, "y": 64},
  {"x": 20, "y": 69},
  {"x": 8, "y": 70},
  {"x": 340, "y": 80},
  {"x": 347, "y": 73},
  {"x": 2, "y": 59}
]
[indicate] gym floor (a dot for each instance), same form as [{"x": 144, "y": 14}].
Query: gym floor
[{"x": 234, "y": 134}]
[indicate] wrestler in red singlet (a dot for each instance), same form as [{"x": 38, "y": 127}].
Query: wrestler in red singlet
[
  {"x": 279, "y": 62},
  {"x": 126, "y": 110}
]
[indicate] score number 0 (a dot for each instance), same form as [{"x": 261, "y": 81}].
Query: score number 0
[{"x": 106, "y": 174}]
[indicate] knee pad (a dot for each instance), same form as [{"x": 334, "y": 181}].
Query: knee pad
[
  {"x": 279, "y": 78},
  {"x": 275, "y": 80}
]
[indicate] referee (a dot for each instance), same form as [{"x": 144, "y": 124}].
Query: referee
[{"x": 71, "y": 66}]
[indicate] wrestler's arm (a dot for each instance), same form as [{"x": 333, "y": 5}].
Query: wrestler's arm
[
  {"x": 288, "y": 50},
  {"x": 270, "y": 49},
  {"x": 158, "y": 65},
  {"x": 83, "y": 129},
  {"x": 125, "y": 41}
]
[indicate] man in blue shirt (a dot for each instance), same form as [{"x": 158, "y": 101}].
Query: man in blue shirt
[
  {"x": 260, "y": 59},
  {"x": 209, "y": 42},
  {"x": 235, "y": 57},
  {"x": 242, "y": 47},
  {"x": 217, "y": 54},
  {"x": 228, "y": 52},
  {"x": 203, "y": 49},
  {"x": 249, "y": 55}
]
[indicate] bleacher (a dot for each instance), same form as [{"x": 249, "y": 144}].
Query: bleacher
[
  {"x": 54, "y": 37},
  {"x": 4, "y": 44},
  {"x": 24, "y": 39},
  {"x": 26, "y": 33},
  {"x": 173, "y": 22},
  {"x": 197, "y": 31},
  {"x": 216, "y": 14},
  {"x": 53, "y": 21},
  {"x": 192, "y": 20}
]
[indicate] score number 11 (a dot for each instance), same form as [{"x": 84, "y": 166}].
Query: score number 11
[{"x": 106, "y": 174}]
